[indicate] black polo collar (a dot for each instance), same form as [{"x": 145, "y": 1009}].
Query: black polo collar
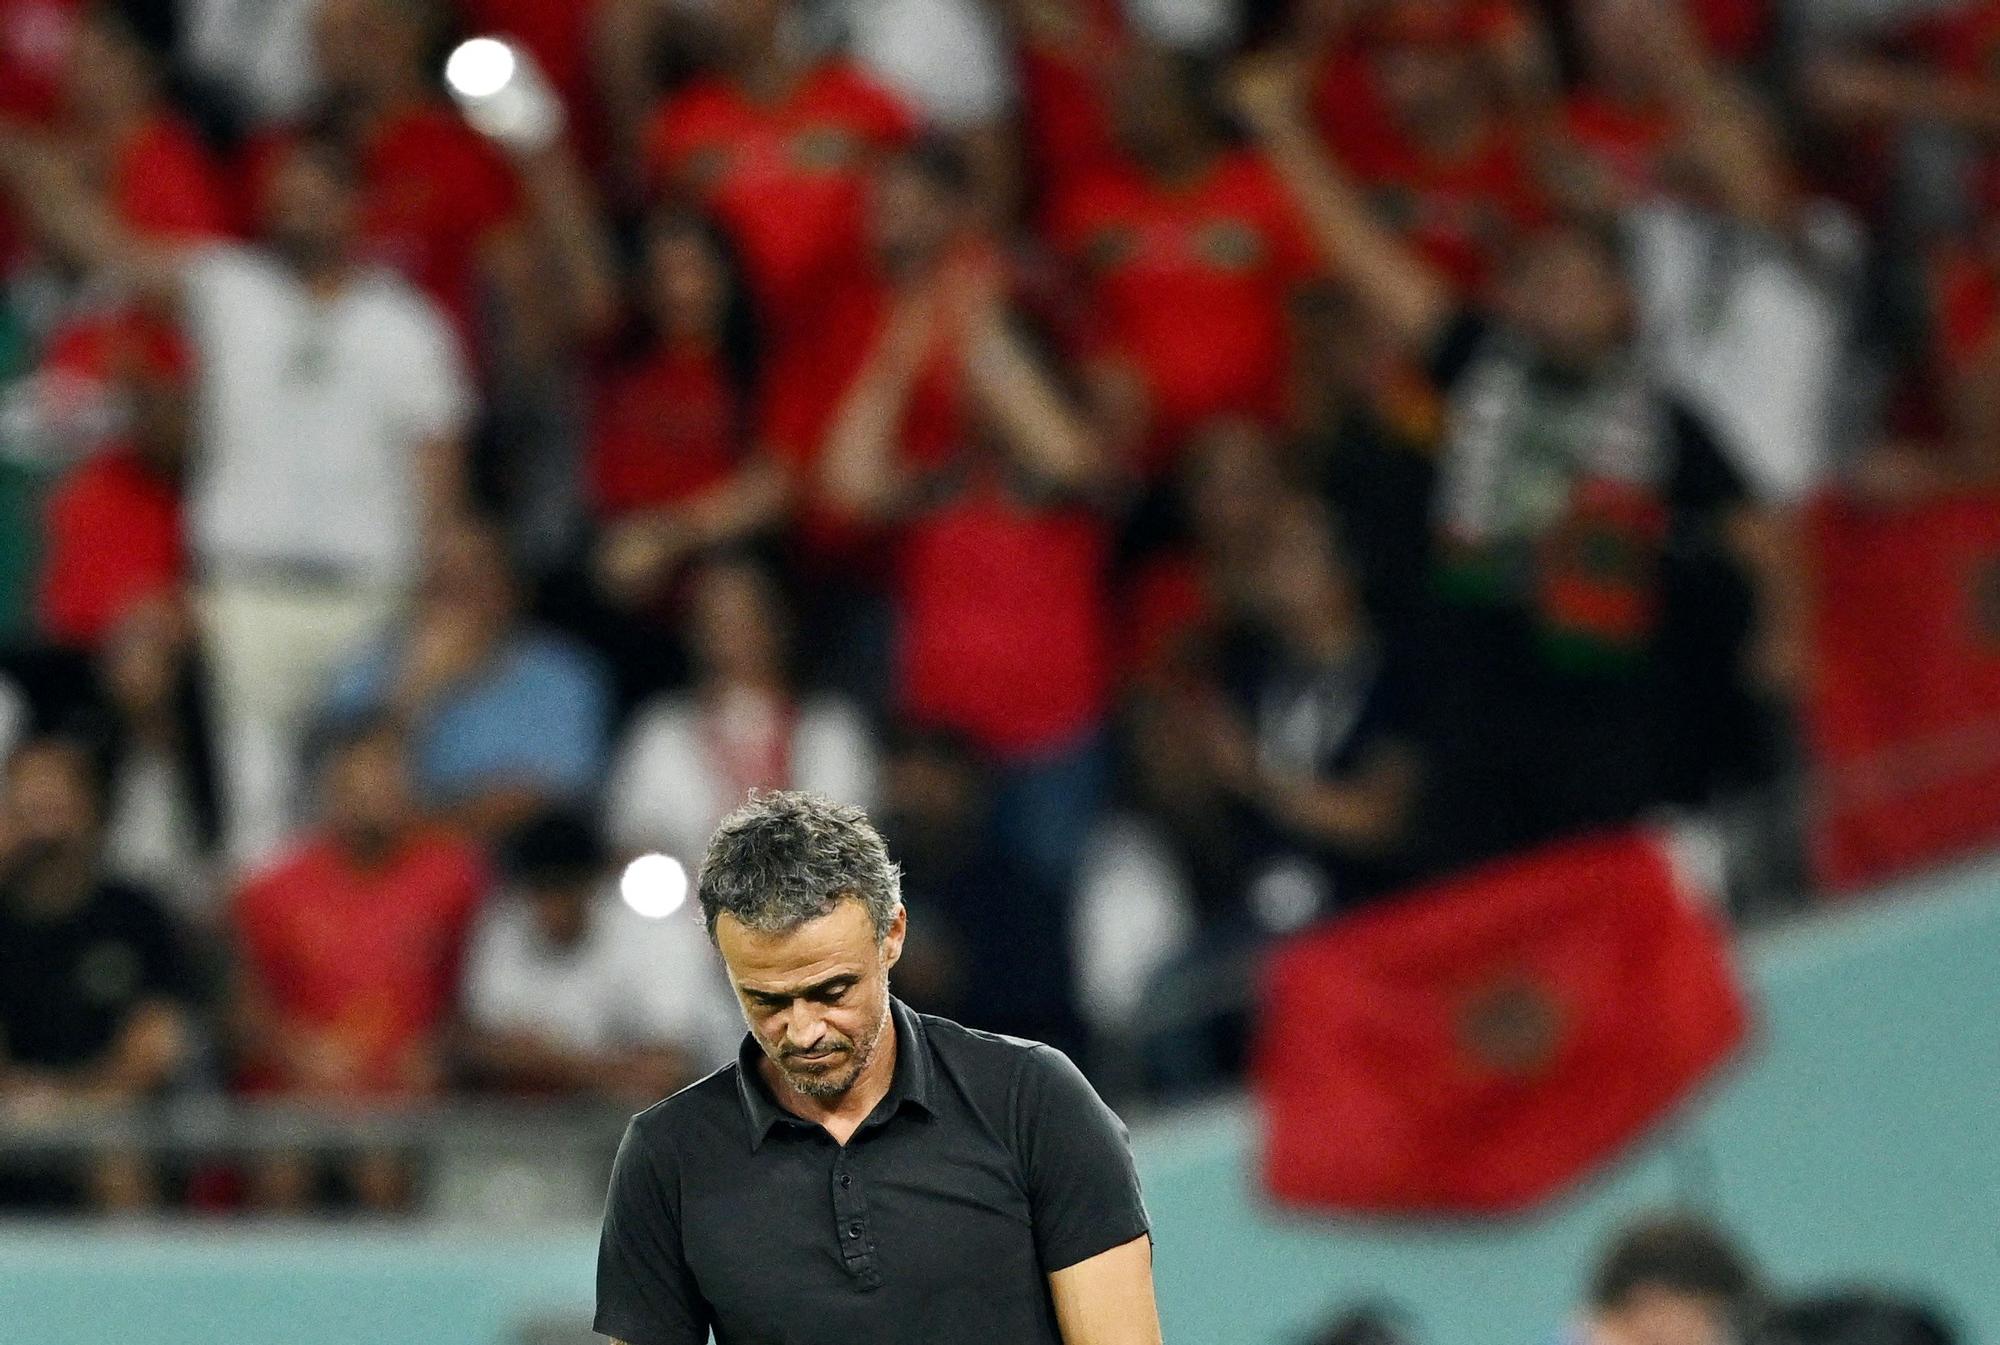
[{"x": 911, "y": 1083}]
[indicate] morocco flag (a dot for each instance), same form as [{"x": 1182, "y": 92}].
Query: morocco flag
[
  {"x": 1904, "y": 714},
  {"x": 1480, "y": 1044}
]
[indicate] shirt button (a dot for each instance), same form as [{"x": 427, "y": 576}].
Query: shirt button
[
  {"x": 845, "y": 1180},
  {"x": 854, "y": 1230}
]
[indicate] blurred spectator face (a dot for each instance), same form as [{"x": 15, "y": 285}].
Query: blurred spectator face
[
  {"x": 1425, "y": 63},
  {"x": 309, "y": 206},
  {"x": 1566, "y": 292},
  {"x": 930, "y": 796},
  {"x": 363, "y": 46},
  {"x": 1306, "y": 587},
  {"x": 470, "y": 575},
  {"x": 561, "y": 906},
  {"x": 558, "y": 863},
  {"x": 1615, "y": 46},
  {"x": 51, "y": 808},
  {"x": 915, "y": 215},
  {"x": 736, "y": 623},
  {"x": 1671, "y": 1280},
  {"x": 1321, "y": 21},
  {"x": 687, "y": 287},
  {"x": 109, "y": 74},
  {"x": 746, "y": 28},
  {"x": 1660, "y": 1316},
  {"x": 367, "y": 793},
  {"x": 1232, "y": 486},
  {"x": 1154, "y": 109},
  {"x": 816, "y": 996}
]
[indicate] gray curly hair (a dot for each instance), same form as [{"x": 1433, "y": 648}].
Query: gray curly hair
[{"x": 787, "y": 856}]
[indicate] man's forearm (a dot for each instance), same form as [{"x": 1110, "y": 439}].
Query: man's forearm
[{"x": 75, "y": 222}]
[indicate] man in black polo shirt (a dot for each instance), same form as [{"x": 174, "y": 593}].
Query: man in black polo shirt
[{"x": 863, "y": 1173}]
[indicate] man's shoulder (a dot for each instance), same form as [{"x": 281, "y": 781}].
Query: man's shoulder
[
  {"x": 695, "y": 1107},
  {"x": 986, "y": 1057},
  {"x": 954, "y": 1035}
]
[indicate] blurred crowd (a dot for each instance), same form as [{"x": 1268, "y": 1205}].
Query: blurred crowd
[
  {"x": 1188, "y": 467},
  {"x": 1673, "y": 1278}
]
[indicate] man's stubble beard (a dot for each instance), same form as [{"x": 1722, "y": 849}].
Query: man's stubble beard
[{"x": 826, "y": 1088}]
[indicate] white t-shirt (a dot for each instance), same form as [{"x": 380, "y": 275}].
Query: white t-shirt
[
  {"x": 311, "y": 412},
  {"x": 630, "y": 982},
  {"x": 666, "y": 791}
]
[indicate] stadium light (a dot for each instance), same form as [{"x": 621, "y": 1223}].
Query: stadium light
[{"x": 654, "y": 885}]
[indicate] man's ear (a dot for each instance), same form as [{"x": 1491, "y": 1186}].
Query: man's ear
[{"x": 892, "y": 937}]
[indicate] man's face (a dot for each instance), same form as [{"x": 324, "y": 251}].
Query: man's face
[
  {"x": 1156, "y": 119},
  {"x": 816, "y": 997},
  {"x": 1304, "y": 582},
  {"x": 687, "y": 287},
  {"x": 49, "y": 807},
  {"x": 746, "y": 28},
  {"x": 105, "y": 73},
  {"x": 361, "y": 45},
  {"x": 1567, "y": 295},
  {"x": 468, "y": 571},
  {"x": 561, "y": 908},
  {"x": 1655, "y": 1315},
  {"x": 308, "y": 208},
  {"x": 368, "y": 793}
]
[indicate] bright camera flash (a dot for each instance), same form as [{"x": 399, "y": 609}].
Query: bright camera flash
[
  {"x": 479, "y": 67},
  {"x": 654, "y": 885}
]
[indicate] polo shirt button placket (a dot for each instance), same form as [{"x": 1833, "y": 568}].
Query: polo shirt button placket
[{"x": 850, "y": 1211}]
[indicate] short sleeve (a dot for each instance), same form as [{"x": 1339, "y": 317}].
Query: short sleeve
[
  {"x": 646, "y": 1295},
  {"x": 877, "y": 112},
  {"x": 1083, "y": 1190}
]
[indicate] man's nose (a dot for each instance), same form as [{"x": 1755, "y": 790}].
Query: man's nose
[{"x": 802, "y": 1024}]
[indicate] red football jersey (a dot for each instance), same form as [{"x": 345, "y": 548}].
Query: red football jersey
[
  {"x": 112, "y": 539},
  {"x": 668, "y": 426},
  {"x": 1001, "y": 632},
  {"x": 788, "y": 180},
  {"x": 1190, "y": 286},
  {"x": 367, "y": 957}
]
